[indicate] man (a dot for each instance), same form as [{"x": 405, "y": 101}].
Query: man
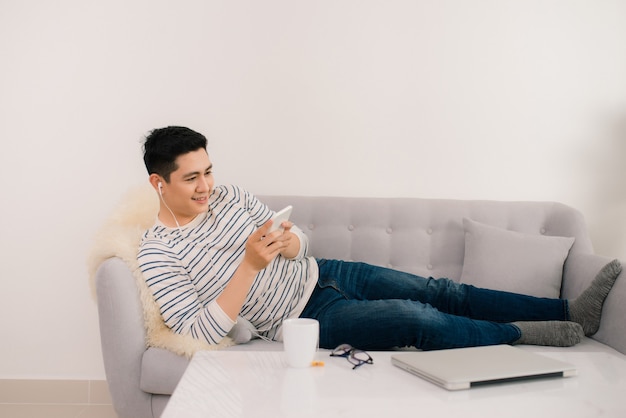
[{"x": 211, "y": 258}]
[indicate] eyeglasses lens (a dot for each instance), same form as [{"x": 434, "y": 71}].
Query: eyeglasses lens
[{"x": 353, "y": 355}]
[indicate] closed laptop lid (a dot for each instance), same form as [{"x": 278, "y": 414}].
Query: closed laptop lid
[{"x": 463, "y": 368}]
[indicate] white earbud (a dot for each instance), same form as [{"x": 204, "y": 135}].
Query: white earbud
[{"x": 160, "y": 186}]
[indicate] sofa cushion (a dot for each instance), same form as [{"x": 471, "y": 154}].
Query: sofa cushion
[
  {"x": 161, "y": 370},
  {"x": 513, "y": 261}
]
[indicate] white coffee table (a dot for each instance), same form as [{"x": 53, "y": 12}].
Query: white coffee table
[{"x": 259, "y": 384}]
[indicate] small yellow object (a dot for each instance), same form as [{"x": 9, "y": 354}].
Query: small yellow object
[{"x": 317, "y": 363}]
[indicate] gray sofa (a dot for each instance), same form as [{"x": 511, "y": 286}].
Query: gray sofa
[{"x": 422, "y": 236}]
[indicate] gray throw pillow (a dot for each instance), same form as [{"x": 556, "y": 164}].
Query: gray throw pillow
[{"x": 513, "y": 261}]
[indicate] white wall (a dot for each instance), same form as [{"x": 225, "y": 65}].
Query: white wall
[{"x": 483, "y": 99}]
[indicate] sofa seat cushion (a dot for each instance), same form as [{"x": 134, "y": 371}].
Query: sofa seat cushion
[
  {"x": 500, "y": 259},
  {"x": 161, "y": 371}
]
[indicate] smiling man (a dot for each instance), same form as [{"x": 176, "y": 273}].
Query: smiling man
[
  {"x": 201, "y": 259},
  {"x": 211, "y": 258}
]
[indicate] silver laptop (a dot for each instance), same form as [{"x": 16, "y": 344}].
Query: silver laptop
[{"x": 464, "y": 368}]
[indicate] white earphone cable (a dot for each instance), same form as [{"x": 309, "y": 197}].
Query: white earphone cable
[{"x": 165, "y": 203}]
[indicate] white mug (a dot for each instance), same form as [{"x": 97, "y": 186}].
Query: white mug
[{"x": 300, "y": 338}]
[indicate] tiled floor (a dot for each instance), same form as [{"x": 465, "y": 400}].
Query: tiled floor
[{"x": 55, "y": 399}]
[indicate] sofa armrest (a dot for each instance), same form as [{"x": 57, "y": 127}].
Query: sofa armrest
[
  {"x": 579, "y": 272},
  {"x": 122, "y": 336}
]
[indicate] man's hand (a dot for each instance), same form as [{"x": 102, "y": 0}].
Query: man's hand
[
  {"x": 292, "y": 242},
  {"x": 263, "y": 246}
]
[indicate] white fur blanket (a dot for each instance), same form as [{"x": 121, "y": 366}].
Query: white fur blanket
[{"x": 120, "y": 237}]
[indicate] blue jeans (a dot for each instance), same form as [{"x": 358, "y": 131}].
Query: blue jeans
[{"x": 376, "y": 308}]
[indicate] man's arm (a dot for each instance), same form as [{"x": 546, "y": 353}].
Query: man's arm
[
  {"x": 261, "y": 248},
  {"x": 178, "y": 300}
]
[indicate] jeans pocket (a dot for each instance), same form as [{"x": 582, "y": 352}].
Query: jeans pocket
[{"x": 325, "y": 282}]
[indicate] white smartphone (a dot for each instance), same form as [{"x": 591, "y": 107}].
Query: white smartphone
[{"x": 280, "y": 217}]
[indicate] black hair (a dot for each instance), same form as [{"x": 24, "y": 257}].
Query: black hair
[{"x": 164, "y": 145}]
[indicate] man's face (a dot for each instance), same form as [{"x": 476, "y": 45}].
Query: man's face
[{"x": 187, "y": 193}]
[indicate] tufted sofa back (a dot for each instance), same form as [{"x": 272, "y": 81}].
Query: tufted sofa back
[{"x": 420, "y": 236}]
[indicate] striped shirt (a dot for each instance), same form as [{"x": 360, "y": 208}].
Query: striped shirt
[{"x": 186, "y": 269}]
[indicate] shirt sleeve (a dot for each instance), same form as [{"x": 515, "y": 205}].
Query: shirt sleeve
[
  {"x": 259, "y": 212},
  {"x": 178, "y": 301}
]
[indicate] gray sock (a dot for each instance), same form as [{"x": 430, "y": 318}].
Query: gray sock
[
  {"x": 552, "y": 333},
  {"x": 586, "y": 309}
]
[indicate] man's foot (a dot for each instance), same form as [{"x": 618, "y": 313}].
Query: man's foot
[
  {"x": 586, "y": 309},
  {"x": 552, "y": 333}
]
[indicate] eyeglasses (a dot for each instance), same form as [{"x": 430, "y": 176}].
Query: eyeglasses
[{"x": 353, "y": 355}]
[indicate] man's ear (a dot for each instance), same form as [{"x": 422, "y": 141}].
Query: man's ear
[{"x": 154, "y": 180}]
